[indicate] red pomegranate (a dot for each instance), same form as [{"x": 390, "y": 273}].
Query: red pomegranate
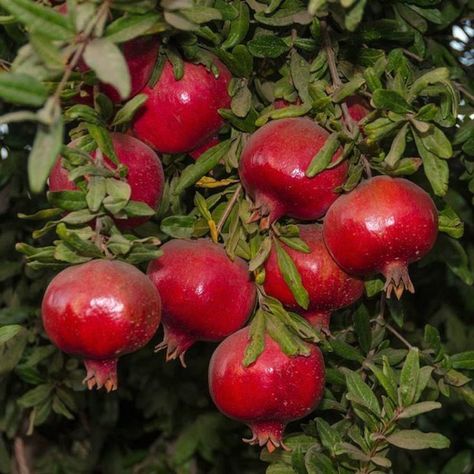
[
  {"x": 205, "y": 295},
  {"x": 197, "y": 152},
  {"x": 99, "y": 311},
  {"x": 380, "y": 227},
  {"x": 140, "y": 54},
  {"x": 180, "y": 116},
  {"x": 273, "y": 166},
  {"x": 145, "y": 174},
  {"x": 271, "y": 392},
  {"x": 358, "y": 107},
  {"x": 328, "y": 286}
]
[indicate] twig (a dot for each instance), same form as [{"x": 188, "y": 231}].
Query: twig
[
  {"x": 398, "y": 335},
  {"x": 464, "y": 91},
  {"x": 20, "y": 456},
  {"x": 348, "y": 122},
  {"x": 412, "y": 55},
  {"x": 228, "y": 208}
]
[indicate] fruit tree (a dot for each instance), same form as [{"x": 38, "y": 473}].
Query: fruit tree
[{"x": 236, "y": 236}]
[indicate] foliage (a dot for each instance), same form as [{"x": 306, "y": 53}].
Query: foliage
[{"x": 398, "y": 373}]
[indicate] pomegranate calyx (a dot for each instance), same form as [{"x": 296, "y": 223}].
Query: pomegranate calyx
[
  {"x": 268, "y": 434},
  {"x": 176, "y": 344},
  {"x": 397, "y": 279},
  {"x": 101, "y": 373}
]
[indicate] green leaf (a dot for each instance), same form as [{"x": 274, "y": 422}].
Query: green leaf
[
  {"x": 22, "y": 89},
  {"x": 360, "y": 393},
  {"x": 329, "y": 436},
  {"x": 8, "y": 332},
  {"x": 324, "y": 156},
  {"x": 397, "y": 148},
  {"x": 35, "y": 396},
  {"x": 256, "y": 339},
  {"x": 267, "y": 46},
  {"x": 346, "y": 351},
  {"x": 107, "y": 61},
  {"x": 436, "y": 169},
  {"x": 450, "y": 223},
  {"x": 461, "y": 463},
  {"x": 391, "y": 100},
  {"x": 431, "y": 77},
  {"x": 418, "y": 409},
  {"x": 291, "y": 276},
  {"x": 129, "y": 27},
  {"x": 355, "y": 14},
  {"x": 96, "y": 191},
  {"x": 239, "y": 27},
  {"x": 37, "y": 17},
  {"x": 295, "y": 243},
  {"x": 128, "y": 111},
  {"x": 138, "y": 209},
  {"x": 43, "y": 155},
  {"x": 415, "y": 440},
  {"x": 68, "y": 200},
  {"x": 104, "y": 141},
  {"x": 409, "y": 377},
  {"x": 362, "y": 328},
  {"x": 207, "y": 161},
  {"x": 437, "y": 143},
  {"x": 261, "y": 255},
  {"x": 387, "y": 382},
  {"x": 47, "y": 51},
  {"x": 463, "y": 360},
  {"x": 178, "y": 227},
  {"x": 318, "y": 463},
  {"x": 300, "y": 75},
  {"x": 347, "y": 89},
  {"x": 71, "y": 238}
]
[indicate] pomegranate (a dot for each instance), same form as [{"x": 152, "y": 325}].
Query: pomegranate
[
  {"x": 271, "y": 392},
  {"x": 180, "y": 116},
  {"x": 99, "y": 311},
  {"x": 139, "y": 53},
  {"x": 145, "y": 174},
  {"x": 380, "y": 227},
  {"x": 205, "y": 295},
  {"x": 273, "y": 166},
  {"x": 197, "y": 152},
  {"x": 328, "y": 286},
  {"x": 358, "y": 107}
]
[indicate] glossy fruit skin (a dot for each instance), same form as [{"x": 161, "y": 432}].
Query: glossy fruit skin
[
  {"x": 271, "y": 392},
  {"x": 329, "y": 287},
  {"x": 99, "y": 311},
  {"x": 380, "y": 227},
  {"x": 145, "y": 174},
  {"x": 273, "y": 166},
  {"x": 182, "y": 115},
  {"x": 205, "y": 295},
  {"x": 197, "y": 152}
]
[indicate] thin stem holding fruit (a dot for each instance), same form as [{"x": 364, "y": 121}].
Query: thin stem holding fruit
[{"x": 228, "y": 208}]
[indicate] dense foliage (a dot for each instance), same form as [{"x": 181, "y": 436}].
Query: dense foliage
[{"x": 398, "y": 372}]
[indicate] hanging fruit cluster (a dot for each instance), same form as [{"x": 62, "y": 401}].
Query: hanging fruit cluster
[{"x": 289, "y": 218}]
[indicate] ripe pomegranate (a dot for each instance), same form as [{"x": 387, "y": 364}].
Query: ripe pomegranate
[
  {"x": 358, "y": 107},
  {"x": 271, "y": 392},
  {"x": 197, "y": 152},
  {"x": 205, "y": 295},
  {"x": 139, "y": 53},
  {"x": 380, "y": 227},
  {"x": 273, "y": 166},
  {"x": 99, "y": 311},
  {"x": 328, "y": 286},
  {"x": 145, "y": 174},
  {"x": 180, "y": 116}
]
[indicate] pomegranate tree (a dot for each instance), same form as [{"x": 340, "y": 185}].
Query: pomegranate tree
[
  {"x": 145, "y": 173},
  {"x": 181, "y": 115},
  {"x": 273, "y": 167},
  {"x": 205, "y": 295},
  {"x": 329, "y": 287},
  {"x": 380, "y": 227},
  {"x": 99, "y": 311},
  {"x": 268, "y": 394}
]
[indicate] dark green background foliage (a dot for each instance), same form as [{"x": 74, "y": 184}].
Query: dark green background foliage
[{"x": 398, "y": 373}]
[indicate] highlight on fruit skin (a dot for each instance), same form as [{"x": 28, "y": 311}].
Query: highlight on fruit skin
[
  {"x": 273, "y": 171},
  {"x": 329, "y": 287},
  {"x": 382, "y": 226},
  {"x": 270, "y": 392},
  {"x": 205, "y": 295},
  {"x": 99, "y": 311}
]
